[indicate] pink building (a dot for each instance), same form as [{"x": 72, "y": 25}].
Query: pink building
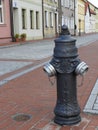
[{"x": 5, "y": 24}]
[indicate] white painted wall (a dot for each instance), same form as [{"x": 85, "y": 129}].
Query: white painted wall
[
  {"x": 89, "y": 22},
  {"x": 28, "y": 5}
]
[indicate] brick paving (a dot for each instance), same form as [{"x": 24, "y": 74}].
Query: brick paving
[{"x": 32, "y": 94}]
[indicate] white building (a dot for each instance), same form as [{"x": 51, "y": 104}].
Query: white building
[
  {"x": 90, "y": 19},
  {"x": 68, "y": 14},
  {"x": 27, "y": 18}
]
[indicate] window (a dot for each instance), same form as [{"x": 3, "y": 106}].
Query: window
[
  {"x": 31, "y": 19},
  {"x": 1, "y": 12},
  {"x": 62, "y": 2},
  {"x": 51, "y": 19},
  {"x": 55, "y": 0},
  {"x": 37, "y": 20},
  {"x": 71, "y": 4},
  {"x": 46, "y": 19},
  {"x": 23, "y": 18},
  {"x": 63, "y": 20},
  {"x": 67, "y": 3},
  {"x": 72, "y": 23}
]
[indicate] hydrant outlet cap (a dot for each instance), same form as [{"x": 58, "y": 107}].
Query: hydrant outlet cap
[{"x": 49, "y": 69}]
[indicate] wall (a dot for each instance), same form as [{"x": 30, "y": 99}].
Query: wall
[
  {"x": 28, "y": 5},
  {"x": 51, "y": 31},
  {"x": 5, "y": 31},
  {"x": 81, "y": 17},
  {"x": 96, "y": 26}
]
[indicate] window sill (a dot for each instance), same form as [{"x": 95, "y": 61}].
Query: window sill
[{"x": 2, "y": 25}]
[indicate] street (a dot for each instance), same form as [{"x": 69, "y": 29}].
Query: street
[
  {"x": 27, "y": 99},
  {"x": 22, "y": 58}
]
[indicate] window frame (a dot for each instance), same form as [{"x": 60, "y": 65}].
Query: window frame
[
  {"x": 23, "y": 18},
  {"x": 37, "y": 20},
  {"x": 51, "y": 19},
  {"x": 2, "y": 12},
  {"x": 46, "y": 19},
  {"x": 31, "y": 19}
]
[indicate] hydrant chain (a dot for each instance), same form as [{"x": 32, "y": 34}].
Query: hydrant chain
[
  {"x": 52, "y": 82},
  {"x": 82, "y": 80}
]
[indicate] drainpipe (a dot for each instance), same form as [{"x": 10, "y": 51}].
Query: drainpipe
[
  {"x": 59, "y": 16},
  {"x": 11, "y": 19},
  {"x": 75, "y": 26},
  {"x": 43, "y": 18}
]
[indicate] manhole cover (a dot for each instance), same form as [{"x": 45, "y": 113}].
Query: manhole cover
[{"x": 21, "y": 117}]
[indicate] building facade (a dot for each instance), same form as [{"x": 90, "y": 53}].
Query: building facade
[
  {"x": 50, "y": 18},
  {"x": 68, "y": 14},
  {"x": 96, "y": 26},
  {"x": 5, "y": 22},
  {"x": 90, "y": 18},
  {"x": 80, "y": 18},
  {"x": 27, "y": 18},
  {"x": 43, "y": 18}
]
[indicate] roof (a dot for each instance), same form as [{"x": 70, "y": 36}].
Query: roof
[{"x": 87, "y": 5}]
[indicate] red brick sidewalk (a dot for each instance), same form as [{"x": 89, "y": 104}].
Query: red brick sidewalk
[{"x": 33, "y": 95}]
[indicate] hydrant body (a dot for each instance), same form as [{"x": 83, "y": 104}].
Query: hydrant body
[
  {"x": 67, "y": 110},
  {"x": 66, "y": 65}
]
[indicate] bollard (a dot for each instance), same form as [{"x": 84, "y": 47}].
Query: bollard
[{"x": 66, "y": 65}]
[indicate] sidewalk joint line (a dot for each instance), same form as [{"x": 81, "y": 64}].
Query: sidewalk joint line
[{"x": 92, "y": 103}]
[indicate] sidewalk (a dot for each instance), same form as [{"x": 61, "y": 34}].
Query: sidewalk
[
  {"x": 80, "y": 40},
  {"x": 32, "y": 98},
  {"x": 24, "y": 42}
]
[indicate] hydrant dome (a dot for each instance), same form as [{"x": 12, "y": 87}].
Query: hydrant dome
[{"x": 65, "y": 44}]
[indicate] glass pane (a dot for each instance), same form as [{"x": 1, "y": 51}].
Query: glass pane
[
  {"x": 23, "y": 18},
  {"x": 0, "y": 15}
]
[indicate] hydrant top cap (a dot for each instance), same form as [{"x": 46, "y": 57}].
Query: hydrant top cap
[
  {"x": 64, "y": 30},
  {"x": 65, "y": 36}
]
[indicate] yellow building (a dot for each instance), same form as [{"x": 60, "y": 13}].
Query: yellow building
[
  {"x": 96, "y": 26},
  {"x": 50, "y": 18},
  {"x": 80, "y": 19},
  {"x": 86, "y": 17},
  {"x": 90, "y": 18}
]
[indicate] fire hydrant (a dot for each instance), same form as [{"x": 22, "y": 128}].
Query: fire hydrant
[{"x": 66, "y": 65}]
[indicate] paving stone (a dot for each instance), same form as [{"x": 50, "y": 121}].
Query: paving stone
[
  {"x": 9, "y": 66},
  {"x": 90, "y": 102},
  {"x": 95, "y": 107}
]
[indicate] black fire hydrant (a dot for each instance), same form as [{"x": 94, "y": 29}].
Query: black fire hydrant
[{"x": 66, "y": 65}]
